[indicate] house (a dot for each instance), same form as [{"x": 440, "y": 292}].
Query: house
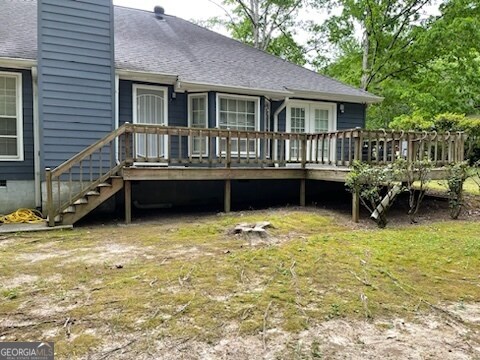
[{"x": 165, "y": 95}]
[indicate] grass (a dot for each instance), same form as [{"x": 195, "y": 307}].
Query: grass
[
  {"x": 190, "y": 278},
  {"x": 471, "y": 186}
]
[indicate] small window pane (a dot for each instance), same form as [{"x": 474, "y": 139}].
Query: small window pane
[
  {"x": 8, "y": 126},
  {"x": 223, "y": 104},
  {"x": 8, "y": 147}
]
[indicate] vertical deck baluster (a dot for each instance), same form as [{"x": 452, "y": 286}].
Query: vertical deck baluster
[
  {"x": 201, "y": 145},
  {"x": 180, "y": 152},
  {"x": 385, "y": 147},
  {"x": 265, "y": 148},
  {"x": 256, "y": 147},
  {"x": 239, "y": 157},
  {"x": 248, "y": 147},
  {"x": 342, "y": 150},
  {"x": 281, "y": 157},
  {"x": 59, "y": 193},
  {"x": 90, "y": 170},
  {"x": 81, "y": 173},
  {"x": 70, "y": 183},
  {"x": 50, "y": 203},
  {"x": 323, "y": 148},
  {"x": 350, "y": 148},
  {"x": 369, "y": 146},
  {"x": 190, "y": 145},
  {"x": 101, "y": 162},
  {"x": 377, "y": 147},
  {"x": 210, "y": 143}
]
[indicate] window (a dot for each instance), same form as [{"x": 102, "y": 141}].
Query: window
[
  {"x": 198, "y": 118},
  {"x": 150, "y": 107},
  {"x": 11, "y": 119},
  {"x": 238, "y": 113}
]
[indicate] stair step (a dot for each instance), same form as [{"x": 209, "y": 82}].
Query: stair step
[
  {"x": 69, "y": 210},
  {"x": 104, "y": 185},
  {"x": 93, "y": 193},
  {"x": 81, "y": 201},
  {"x": 58, "y": 218}
]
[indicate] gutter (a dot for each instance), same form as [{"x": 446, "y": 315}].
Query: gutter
[
  {"x": 17, "y": 63},
  {"x": 36, "y": 140},
  {"x": 318, "y": 95},
  {"x": 199, "y": 86}
]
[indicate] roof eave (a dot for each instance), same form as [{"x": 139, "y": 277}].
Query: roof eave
[
  {"x": 318, "y": 95},
  {"x": 17, "y": 63},
  {"x": 162, "y": 78},
  {"x": 200, "y": 86}
]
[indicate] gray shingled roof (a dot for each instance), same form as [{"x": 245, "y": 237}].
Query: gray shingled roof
[{"x": 178, "y": 47}]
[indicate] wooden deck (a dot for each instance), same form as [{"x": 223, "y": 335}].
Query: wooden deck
[{"x": 157, "y": 153}]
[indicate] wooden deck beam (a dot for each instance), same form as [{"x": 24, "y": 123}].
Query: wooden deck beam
[{"x": 170, "y": 173}]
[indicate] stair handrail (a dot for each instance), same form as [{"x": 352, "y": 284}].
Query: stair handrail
[
  {"x": 51, "y": 175},
  {"x": 68, "y": 164}
]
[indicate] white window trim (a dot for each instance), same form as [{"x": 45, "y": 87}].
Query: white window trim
[
  {"x": 190, "y": 98},
  {"x": 19, "y": 90},
  {"x": 332, "y": 121},
  {"x": 257, "y": 119},
  {"x": 164, "y": 89}
]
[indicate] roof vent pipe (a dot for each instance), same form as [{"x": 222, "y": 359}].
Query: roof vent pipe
[{"x": 159, "y": 12}]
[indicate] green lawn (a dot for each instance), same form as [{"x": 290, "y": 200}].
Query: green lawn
[
  {"x": 470, "y": 186},
  {"x": 184, "y": 278}
]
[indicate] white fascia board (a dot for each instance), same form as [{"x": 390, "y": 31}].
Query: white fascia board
[
  {"x": 17, "y": 63},
  {"x": 197, "y": 86},
  {"x": 372, "y": 99},
  {"x": 169, "y": 79}
]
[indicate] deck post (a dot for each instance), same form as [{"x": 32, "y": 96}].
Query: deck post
[
  {"x": 50, "y": 206},
  {"x": 128, "y": 202},
  {"x": 302, "y": 192},
  {"x": 355, "y": 206},
  {"x": 228, "y": 195},
  {"x": 128, "y": 147}
]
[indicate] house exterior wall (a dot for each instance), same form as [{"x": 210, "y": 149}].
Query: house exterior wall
[
  {"x": 19, "y": 190},
  {"x": 22, "y": 170},
  {"x": 76, "y": 75},
  {"x": 354, "y": 116}
]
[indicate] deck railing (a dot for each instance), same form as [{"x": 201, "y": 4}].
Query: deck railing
[
  {"x": 135, "y": 144},
  {"x": 194, "y": 146}
]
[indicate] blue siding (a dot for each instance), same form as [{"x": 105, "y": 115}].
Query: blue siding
[
  {"x": 76, "y": 75},
  {"x": 22, "y": 170},
  {"x": 354, "y": 116}
]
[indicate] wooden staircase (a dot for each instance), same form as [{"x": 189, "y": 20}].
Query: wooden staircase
[
  {"x": 87, "y": 180},
  {"x": 92, "y": 199}
]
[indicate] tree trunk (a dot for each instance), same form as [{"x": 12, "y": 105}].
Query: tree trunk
[
  {"x": 365, "y": 62},
  {"x": 254, "y": 5}
]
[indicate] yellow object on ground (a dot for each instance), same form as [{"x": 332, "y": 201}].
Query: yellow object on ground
[{"x": 26, "y": 216}]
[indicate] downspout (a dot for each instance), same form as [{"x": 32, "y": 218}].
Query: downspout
[
  {"x": 275, "y": 125},
  {"x": 36, "y": 140}
]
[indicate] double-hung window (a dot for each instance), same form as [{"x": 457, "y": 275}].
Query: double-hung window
[
  {"x": 198, "y": 118},
  {"x": 11, "y": 119},
  {"x": 238, "y": 113}
]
